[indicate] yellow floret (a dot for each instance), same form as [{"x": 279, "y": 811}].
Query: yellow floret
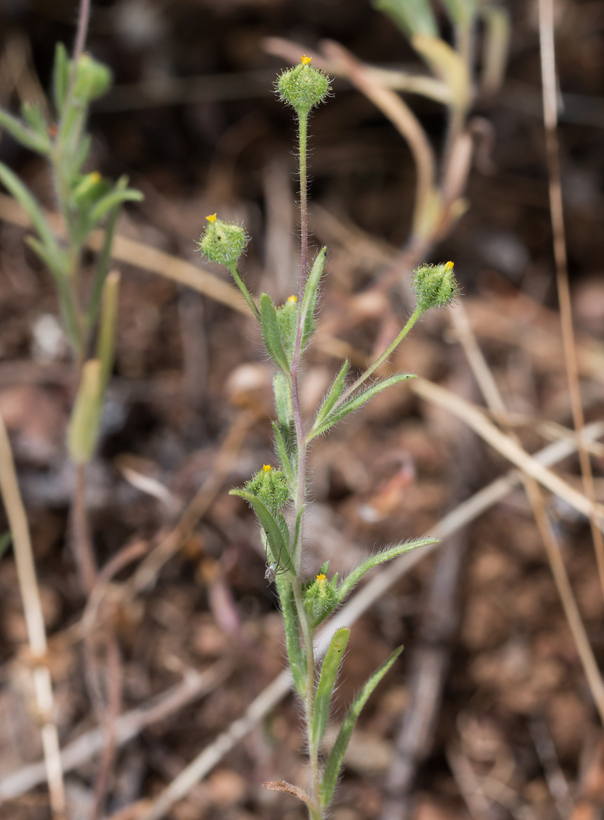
[
  {"x": 321, "y": 577},
  {"x": 211, "y": 218},
  {"x": 305, "y": 60},
  {"x": 266, "y": 468},
  {"x": 449, "y": 266},
  {"x": 292, "y": 299}
]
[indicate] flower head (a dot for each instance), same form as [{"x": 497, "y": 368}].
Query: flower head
[
  {"x": 303, "y": 86},
  {"x": 223, "y": 242}
]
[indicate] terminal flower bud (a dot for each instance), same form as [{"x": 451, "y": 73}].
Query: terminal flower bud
[
  {"x": 435, "y": 286},
  {"x": 223, "y": 242},
  {"x": 303, "y": 86}
]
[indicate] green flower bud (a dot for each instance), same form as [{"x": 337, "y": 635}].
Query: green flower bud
[
  {"x": 271, "y": 487},
  {"x": 320, "y": 597},
  {"x": 92, "y": 79},
  {"x": 435, "y": 286},
  {"x": 89, "y": 188},
  {"x": 303, "y": 87},
  {"x": 223, "y": 242}
]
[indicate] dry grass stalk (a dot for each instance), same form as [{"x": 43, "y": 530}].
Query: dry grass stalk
[
  {"x": 493, "y": 397},
  {"x": 34, "y": 619},
  {"x": 550, "y": 118}
]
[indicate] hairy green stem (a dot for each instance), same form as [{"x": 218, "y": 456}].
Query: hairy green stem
[
  {"x": 302, "y": 140},
  {"x": 246, "y": 294},
  {"x": 309, "y": 699},
  {"x": 300, "y": 496},
  {"x": 379, "y": 361}
]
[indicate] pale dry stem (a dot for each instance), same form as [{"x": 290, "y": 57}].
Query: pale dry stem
[
  {"x": 34, "y": 619},
  {"x": 550, "y": 117}
]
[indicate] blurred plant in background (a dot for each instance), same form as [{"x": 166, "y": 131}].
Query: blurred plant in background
[{"x": 89, "y": 311}]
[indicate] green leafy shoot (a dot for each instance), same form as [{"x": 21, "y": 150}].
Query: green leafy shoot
[
  {"x": 309, "y": 300},
  {"x": 271, "y": 333},
  {"x": 336, "y": 756}
]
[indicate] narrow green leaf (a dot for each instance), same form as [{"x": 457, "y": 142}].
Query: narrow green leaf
[
  {"x": 283, "y": 454},
  {"x": 357, "y": 401},
  {"x": 60, "y": 77},
  {"x": 115, "y": 197},
  {"x": 411, "y": 16},
  {"x": 26, "y": 136},
  {"x": 14, "y": 185},
  {"x": 461, "y": 12},
  {"x": 309, "y": 300},
  {"x": 287, "y": 319},
  {"x": 295, "y": 546},
  {"x": 295, "y": 652},
  {"x": 58, "y": 270},
  {"x": 334, "y": 394},
  {"x": 32, "y": 114},
  {"x": 86, "y": 416},
  {"x": 284, "y": 405},
  {"x": 102, "y": 263},
  {"x": 447, "y": 65},
  {"x": 270, "y": 333},
  {"x": 379, "y": 558},
  {"x": 329, "y": 673},
  {"x": 278, "y": 548},
  {"x": 6, "y": 540},
  {"x": 105, "y": 346},
  {"x": 57, "y": 266},
  {"x": 284, "y": 529},
  {"x": 336, "y": 756}
]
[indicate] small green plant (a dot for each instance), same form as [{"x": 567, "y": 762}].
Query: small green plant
[
  {"x": 278, "y": 496},
  {"x": 85, "y": 201}
]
